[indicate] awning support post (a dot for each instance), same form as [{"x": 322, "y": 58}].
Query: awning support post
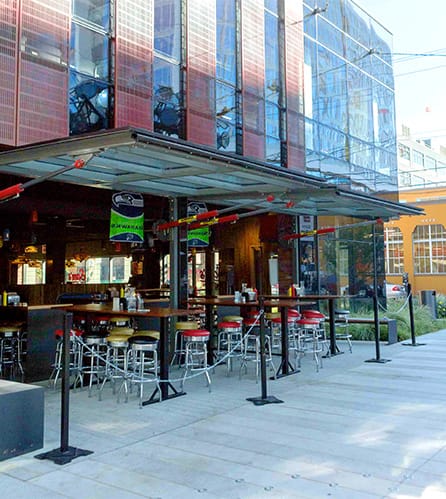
[
  {"x": 264, "y": 398},
  {"x": 378, "y": 358},
  {"x": 65, "y": 454}
]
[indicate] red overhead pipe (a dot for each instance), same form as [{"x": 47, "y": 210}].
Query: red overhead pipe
[
  {"x": 15, "y": 190},
  {"x": 204, "y": 216},
  {"x": 328, "y": 230}
]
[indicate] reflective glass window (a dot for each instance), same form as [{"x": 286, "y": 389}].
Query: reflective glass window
[
  {"x": 272, "y": 150},
  {"x": 330, "y": 36},
  {"x": 89, "y": 52},
  {"x": 357, "y": 23},
  {"x": 271, "y": 5},
  {"x": 333, "y": 143},
  {"x": 331, "y": 105},
  {"x": 45, "y": 46},
  {"x": 362, "y": 153},
  {"x": 385, "y": 160},
  {"x": 309, "y": 22},
  {"x": 94, "y": 11},
  {"x": 90, "y": 103},
  {"x": 334, "y": 12},
  {"x": 226, "y": 41},
  {"x": 272, "y": 116},
  {"x": 167, "y": 113},
  {"x": 381, "y": 41},
  {"x": 360, "y": 118},
  {"x": 167, "y": 28},
  {"x": 225, "y": 117},
  {"x": 272, "y": 73},
  {"x": 384, "y": 116},
  {"x": 311, "y": 77}
]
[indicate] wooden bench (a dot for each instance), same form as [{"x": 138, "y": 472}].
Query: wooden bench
[{"x": 392, "y": 333}]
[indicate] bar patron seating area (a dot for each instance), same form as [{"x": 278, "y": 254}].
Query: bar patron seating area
[{"x": 141, "y": 319}]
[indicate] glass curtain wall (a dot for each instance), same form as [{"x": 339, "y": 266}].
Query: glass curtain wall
[
  {"x": 168, "y": 99},
  {"x": 91, "y": 72},
  {"x": 226, "y": 87},
  {"x": 273, "y": 93},
  {"x": 349, "y": 98}
]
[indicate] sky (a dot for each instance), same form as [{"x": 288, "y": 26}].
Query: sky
[{"x": 420, "y": 81}]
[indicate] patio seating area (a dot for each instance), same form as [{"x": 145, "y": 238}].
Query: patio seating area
[{"x": 353, "y": 430}]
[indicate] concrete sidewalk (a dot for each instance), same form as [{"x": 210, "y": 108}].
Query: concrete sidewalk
[{"x": 354, "y": 430}]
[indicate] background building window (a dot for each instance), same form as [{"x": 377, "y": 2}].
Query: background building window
[
  {"x": 394, "y": 252},
  {"x": 404, "y": 151},
  {"x": 32, "y": 272},
  {"x": 429, "y": 249},
  {"x": 227, "y": 112},
  {"x": 100, "y": 270}
]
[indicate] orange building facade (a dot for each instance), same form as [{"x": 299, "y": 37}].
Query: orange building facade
[{"x": 417, "y": 244}]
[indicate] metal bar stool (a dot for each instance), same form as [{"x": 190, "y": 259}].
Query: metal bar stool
[
  {"x": 276, "y": 332},
  {"x": 75, "y": 356},
  {"x": 11, "y": 352},
  {"x": 196, "y": 355},
  {"x": 308, "y": 341},
  {"x": 116, "y": 361},
  {"x": 179, "y": 351},
  {"x": 320, "y": 317},
  {"x": 142, "y": 366},
  {"x": 251, "y": 353},
  {"x": 229, "y": 342},
  {"x": 342, "y": 333},
  {"x": 94, "y": 346}
]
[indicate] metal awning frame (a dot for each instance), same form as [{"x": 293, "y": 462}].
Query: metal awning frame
[{"x": 141, "y": 161}]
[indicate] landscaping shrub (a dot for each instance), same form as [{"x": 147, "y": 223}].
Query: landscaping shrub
[{"x": 398, "y": 310}]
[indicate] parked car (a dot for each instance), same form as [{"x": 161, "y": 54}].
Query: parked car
[{"x": 395, "y": 291}]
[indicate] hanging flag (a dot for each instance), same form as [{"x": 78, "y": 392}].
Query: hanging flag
[
  {"x": 197, "y": 237},
  {"x": 127, "y": 217}
]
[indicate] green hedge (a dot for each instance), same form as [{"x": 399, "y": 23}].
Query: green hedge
[{"x": 423, "y": 321}]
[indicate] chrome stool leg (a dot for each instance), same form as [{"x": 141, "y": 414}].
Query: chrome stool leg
[{"x": 196, "y": 341}]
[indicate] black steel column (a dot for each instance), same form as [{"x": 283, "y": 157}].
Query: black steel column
[
  {"x": 377, "y": 359},
  {"x": 412, "y": 321},
  {"x": 264, "y": 398},
  {"x": 65, "y": 454}
]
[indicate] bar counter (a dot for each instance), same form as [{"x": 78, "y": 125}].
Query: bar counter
[{"x": 39, "y": 323}]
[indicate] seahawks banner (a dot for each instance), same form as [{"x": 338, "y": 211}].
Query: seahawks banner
[
  {"x": 197, "y": 238},
  {"x": 127, "y": 217}
]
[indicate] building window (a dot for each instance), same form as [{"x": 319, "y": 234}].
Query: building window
[
  {"x": 32, "y": 272},
  {"x": 273, "y": 94},
  {"x": 404, "y": 151},
  {"x": 91, "y": 68},
  {"x": 394, "y": 251},
  {"x": 429, "y": 249},
  {"x": 430, "y": 163},
  {"x": 94, "y": 11},
  {"x": 226, "y": 107},
  {"x": 167, "y": 75},
  {"x": 418, "y": 157},
  {"x": 100, "y": 270}
]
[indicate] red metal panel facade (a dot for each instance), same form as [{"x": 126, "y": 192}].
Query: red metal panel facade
[
  {"x": 43, "y": 70},
  {"x": 294, "y": 64},
  {"x": 253, "y": 76},
  {"x": 200, "y": 97},
  {"x": 134, "y": 53},
  {"x": 8, "y": 80}
]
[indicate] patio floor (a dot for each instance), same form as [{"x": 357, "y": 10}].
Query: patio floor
[{"x": 353, "y": 430}]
